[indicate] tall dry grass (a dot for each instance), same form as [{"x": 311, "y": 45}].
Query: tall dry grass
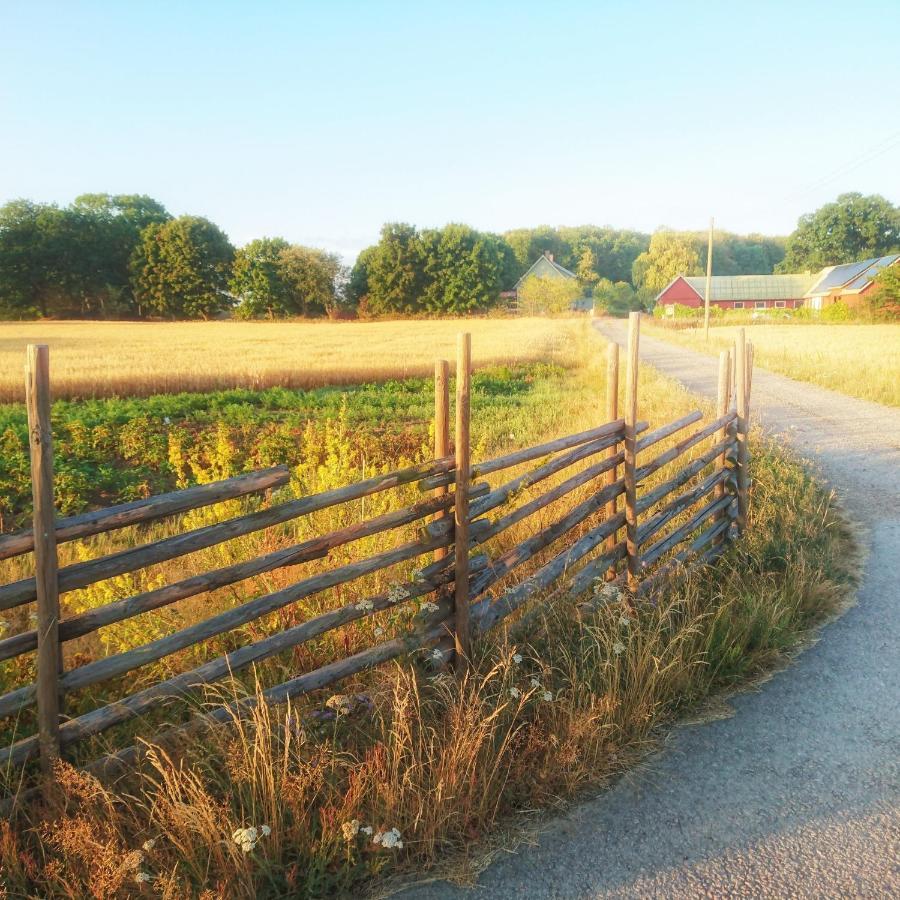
[
  {"x": 101, "y": 359},
  {"x": 860, "y": 360}
]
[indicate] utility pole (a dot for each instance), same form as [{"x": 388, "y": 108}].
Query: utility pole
[{"x": 708, "y": 280}]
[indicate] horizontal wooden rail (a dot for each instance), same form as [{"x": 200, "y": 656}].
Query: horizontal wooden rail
[
  {"x": 660, "y": 434},
  {"x": 120, "y": 663},
  {"x": 82, "y": 574},
  {"x": 682, "y": 502},
  {"x": 309, "y": 550},
  {"x": 660, "y": 492},
  {"x": 158, "y": 507},
  {"x": 595, "y": 570},
  {"x": 680, "y": 534},
  {"x": 682, "y": 446}
]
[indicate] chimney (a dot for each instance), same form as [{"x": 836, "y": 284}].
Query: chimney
[{"x": 549, "y": 255}]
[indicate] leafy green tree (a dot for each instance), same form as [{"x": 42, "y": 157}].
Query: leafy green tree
[
  {"x": 180, "y": 269},
  {"x": 257, "y": 280},
  {"x": 586, "y": 270},
  {"x": 615, "y": 299},
  {"x": 528, "y": 244},
  {"x": 358, "y": 284},
  {"x": 548, "y": 295},
  {"x": 395, "y": 271},
  {"x": 670, "y": 254},
  {"x": 886, "y": 293},
  {"x": 851, "y": 228},
  {"x": 312, "y": 277}
]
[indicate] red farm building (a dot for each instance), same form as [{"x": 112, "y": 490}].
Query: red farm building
[{"x": 738, "y": 291}]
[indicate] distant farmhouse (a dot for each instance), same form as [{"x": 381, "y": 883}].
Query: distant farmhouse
[
  {"x": 545, "y": 266},
  {"x": 848, "y": 283}
]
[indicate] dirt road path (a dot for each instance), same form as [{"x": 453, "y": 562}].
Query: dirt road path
[{"x": 798, "y": 794}]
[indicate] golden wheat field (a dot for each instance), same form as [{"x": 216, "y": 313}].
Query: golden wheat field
[
  {"x": 860, "y": 360},
  {"x": 91, "y": 359}
]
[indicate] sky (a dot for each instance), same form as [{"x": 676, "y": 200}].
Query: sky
[{"x": 320, "y": 121}]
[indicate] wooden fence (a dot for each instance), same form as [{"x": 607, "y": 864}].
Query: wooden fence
[{"x": 650, "y": 531}]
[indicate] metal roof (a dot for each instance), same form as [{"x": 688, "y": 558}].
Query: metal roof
[
  {"x": 851, "y": 276},
  {"x": 560, "y": 270},
  {"x": 752, "y": 287}
]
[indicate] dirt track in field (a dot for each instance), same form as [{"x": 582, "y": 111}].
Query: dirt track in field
[{"x": 798, "y": 793}]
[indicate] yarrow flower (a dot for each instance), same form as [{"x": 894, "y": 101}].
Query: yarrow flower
[
  {"x": 390, "y": 840},
  {"x": 340, "y": 703},
  {"x": 535, "y": 683},
  {"x": 246, "y": 838},
  {"x": 379, "y": 631},
  {"x": 397, "y": 593},
  {"x": 365, "y": 606},
  {"x": 517, "y": 658},
  {"x": 350, "y": 829},
  {"x": 437, "y": 655},
  {"x": 143, "y": 877},
  {"x": 367, "y": 829},
  {"x": 547, "y": 696},
  {"x": 515, "y": 693},
  {"x": 624, "y": 621},
  {"x": 618, "y": 648},
  {"x": 149, "y": 844},
  {"x": 265, "y": 830},
  {"x": 430, "y": 607}
]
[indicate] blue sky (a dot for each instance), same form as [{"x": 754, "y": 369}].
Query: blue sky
[{"x": 321, "y": 121}]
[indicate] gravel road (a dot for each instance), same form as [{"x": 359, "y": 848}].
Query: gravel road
[{"x": 797, "y": 794}]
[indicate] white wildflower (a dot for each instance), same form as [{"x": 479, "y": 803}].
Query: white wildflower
[
  {"x": 547, "y": 696},
  {"x": 430, "y": 607},
  {"x": 340, "y": 703},
  {"x": 350, "y": 829},
  {"x": 515, "y": 693},
  {"x": 624, "y": 621},
  {"x": 437, "y": 655},
  {"x": 379, "y": 631},
  {"x": 265, "y": 830},
  {"x": 397, "y": 593},
  {"x": 535, "y": 683},
  {"x": 618, "y": 648},
  {"x": 245, "y": 838},
  {"x": 143, "y": 877},
  {"x": 167, "y": 420},
  {"x": 517, "y": 658},
  {"x": 389, "y": 839},
  {"x": 367, "y": 829},
  {"x": 149, "y": 844},
  {"x": 365, "y": 606},
  {"x": 418, "y": 575}
]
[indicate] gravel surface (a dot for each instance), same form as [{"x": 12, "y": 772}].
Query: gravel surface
[{"x": 797, "y": 794}]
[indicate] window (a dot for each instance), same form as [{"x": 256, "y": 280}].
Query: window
[
  {"x": 759, "y": 304},
  {"x": 780, "y": 304},
  {"x": 738, "y": 304}
]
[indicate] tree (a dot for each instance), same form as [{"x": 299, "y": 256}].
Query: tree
[
  {"x": 851, "y": 228},
  {"x": 180, "y": 268},
  {"x": 586, "y": 270},
  {"x": 886, "y": 294},
  {"x": 670, "y": 255},
  {"x": 394, "y": 271},
  {"x": 311, "y": 277},
  {"x": 548, "y": 295},
  {"x": 257, "y": 280},
  {"x": 615, "y": 299}
]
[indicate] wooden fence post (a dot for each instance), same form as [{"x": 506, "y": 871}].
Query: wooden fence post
[
  {"x": 46, "y": 563},
  {"x": 722, "y": 403},
  {"x": 612, "y": 413},
  {"x": 743, "y": 426},
  {"x": 461, "y": 509},
  {"x": 441, "y": 429},
  {"x": 632, "y": 547}
]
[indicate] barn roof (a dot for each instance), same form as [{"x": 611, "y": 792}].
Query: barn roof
[
  {"x": 753, "y": 287},
  {"x": 850, "y": 277}
]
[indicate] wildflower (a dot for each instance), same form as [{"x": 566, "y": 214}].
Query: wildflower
[
  {"x": 265, "y": 830},
  {"x": 547, "y": 696},
  {"x": 618, "y": 648},
  {"x": 437, "y": 655},
  {"x": 149, "y": 844},
  {"x": 367, "y": 829},
  {"x": 389, "y": 839},
  {"x": 624, "y": 621},
  {"x": 418, "y": 575},
  {"x": 379, "y": 631},
  {"x": 365, "y": 606},
  {"x": 143, "y": 877},
  {"x": 350, "y": 829},
  {"x": 517, "y": 658},
  {"x": 515, "y": 693},
  {"x": 245, "y": 838},
  {"x": 340, "y": 703},
  {"x": 430, "y": 607},
  {"x": 397, "y": 593},
  {"x": 167, "y": 420},
  {"x": 535, "y": 683}
]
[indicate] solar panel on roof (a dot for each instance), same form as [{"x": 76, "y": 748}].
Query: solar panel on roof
[
  {"x": 862, "y": 280},
  {"x": 840, "y": 275}
]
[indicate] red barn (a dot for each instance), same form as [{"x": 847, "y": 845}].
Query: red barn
[{"x": 738, "y": 291}]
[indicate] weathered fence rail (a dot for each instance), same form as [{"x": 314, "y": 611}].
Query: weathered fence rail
[{"x": 454, "y": 526}]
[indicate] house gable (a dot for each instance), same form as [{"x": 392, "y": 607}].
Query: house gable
[{"x": 545, "y": 267}]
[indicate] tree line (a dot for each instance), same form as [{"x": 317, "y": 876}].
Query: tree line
[{"x": 126, "y": 256}]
